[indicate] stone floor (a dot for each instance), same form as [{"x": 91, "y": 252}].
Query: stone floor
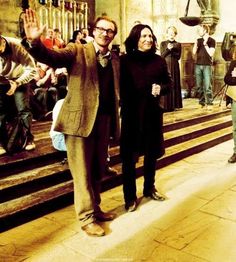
[{"x": 197, "y": 222}]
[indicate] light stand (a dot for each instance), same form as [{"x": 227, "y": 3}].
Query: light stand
[{"x": 221, "y": 92}]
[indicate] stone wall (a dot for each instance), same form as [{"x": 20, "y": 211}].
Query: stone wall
[
  {"x": 125, "y": 12},
  {"x": 9, "y": 15}
]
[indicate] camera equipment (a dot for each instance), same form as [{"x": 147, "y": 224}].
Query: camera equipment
[
  {"x": 227, "y": 51},
  {"x": 4, "y": 85},
  {"x": 229, "y": 41}
]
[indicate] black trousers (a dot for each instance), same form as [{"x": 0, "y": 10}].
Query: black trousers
[{"x": 129, "y": 175}]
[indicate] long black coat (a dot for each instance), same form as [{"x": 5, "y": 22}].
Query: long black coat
[
  {"x": 174, "y": 98},
  {"x": 141, "y": 113}
]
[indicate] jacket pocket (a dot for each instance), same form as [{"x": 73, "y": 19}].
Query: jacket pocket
[{"x": 70, "y": 119}]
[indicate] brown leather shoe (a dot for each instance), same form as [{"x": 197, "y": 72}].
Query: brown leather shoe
[
  {"x": 93, "y": 229},
  {"x": 102, "y": 216},
  {"x": 232, "y": 159}
]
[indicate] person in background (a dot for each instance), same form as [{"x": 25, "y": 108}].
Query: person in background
[
  {"x": 137, "y": 22},
  {"x": 45, "y": 91},
  {"x": 90, "y": 112},
  {"x": 58, "y": 138},
  {"x": 230, "y": 80},
  {"x": 144, "y": 79},
  {"x": 61, "y": 75},
  {"x": 86, "y": 37},
  {"x": 77, "y": 37},
  {"x": 204, "y": 49},
  {"x": 19, "y": 68},
  {"x": 171, "y": 51},
  {"x": 58, "y": 42},
  {"x": 47, "y": 40}
]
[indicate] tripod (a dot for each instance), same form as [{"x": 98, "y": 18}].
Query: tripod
[{"x": 221, "y": 92}]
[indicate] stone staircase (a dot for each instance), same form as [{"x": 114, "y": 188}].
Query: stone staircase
[{"x": 37, "y": 182}]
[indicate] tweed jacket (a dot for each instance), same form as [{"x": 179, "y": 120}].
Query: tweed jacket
[{"x": 78, "y": 113}]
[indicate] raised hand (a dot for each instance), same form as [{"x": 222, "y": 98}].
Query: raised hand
[
  {"x": 31, "y": 25},
  {"x": 156, "y": 89}
]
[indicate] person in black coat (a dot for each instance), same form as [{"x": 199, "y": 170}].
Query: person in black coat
[
  {"x": 77, "y": 37},
  {"x": 171, "y": 51},
  {"x": 230, "y": 81},
  {"x": 144, "y": 79}
]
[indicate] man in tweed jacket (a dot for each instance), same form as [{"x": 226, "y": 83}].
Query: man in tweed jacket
[{"x": 89, "y": 114}]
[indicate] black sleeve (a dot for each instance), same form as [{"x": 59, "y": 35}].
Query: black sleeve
[
  {"x": 176, "y": 51},
  {"x": 164, "y": 50},
  {"x": 166, "y": 83},
  {"x": 229, "y": 79}
]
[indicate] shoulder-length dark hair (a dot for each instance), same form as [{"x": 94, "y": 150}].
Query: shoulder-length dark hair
[{"x": 131, "y": 42}]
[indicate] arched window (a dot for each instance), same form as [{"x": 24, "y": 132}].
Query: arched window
[{"x": 164, "y": 15}]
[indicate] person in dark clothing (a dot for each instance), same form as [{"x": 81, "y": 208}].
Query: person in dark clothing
[
  {"x": 77, "y": 37},
  {"x": 230, "y": 80},
  {"x": 171, "y": 51},
  {"x": 144, "y": 79}
]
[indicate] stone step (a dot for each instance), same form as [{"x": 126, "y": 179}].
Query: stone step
[
  {"x": 185, "y": 133},
  {"x": 45, "y": 154},
  {"x": 25, "y": 202},
  {"x": 191, "y": 117},
  {"x": 32, "y": 175},
  {"x": 33, "y": 187},
  {"x": 176, "y": 152}
]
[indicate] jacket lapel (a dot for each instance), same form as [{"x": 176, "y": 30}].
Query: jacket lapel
[{"x": 91, "y": 61}]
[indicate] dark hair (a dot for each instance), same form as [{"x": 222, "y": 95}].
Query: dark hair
[
  {"x": 7, "y": 49},
  {"x": 106, "y": 18},
  {"x": 75, "y": 33},
  {"x": 131, "y": 42},
  {"x": 56, "y": 30}
]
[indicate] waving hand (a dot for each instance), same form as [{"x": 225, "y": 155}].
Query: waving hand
[{"x": 31, "y": 25}]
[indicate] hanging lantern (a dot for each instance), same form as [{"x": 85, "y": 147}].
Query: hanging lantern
[{"x": 190, "y": 20}]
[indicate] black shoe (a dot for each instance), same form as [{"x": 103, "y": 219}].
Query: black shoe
[
  {"x": 131, "y": 206},
  {"x": 155, "y": 195},
  {"x": 110, "y": 171},
  {"x": 232, "y": 159}
]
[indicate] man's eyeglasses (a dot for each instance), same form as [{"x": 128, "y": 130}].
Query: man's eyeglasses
[{"x": 101, "y": 30}]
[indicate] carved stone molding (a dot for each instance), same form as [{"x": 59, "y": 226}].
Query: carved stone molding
[{"x": 209, "y": 13}]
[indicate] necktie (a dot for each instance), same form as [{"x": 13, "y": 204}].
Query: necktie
[{"x": 103, "y": 59}]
